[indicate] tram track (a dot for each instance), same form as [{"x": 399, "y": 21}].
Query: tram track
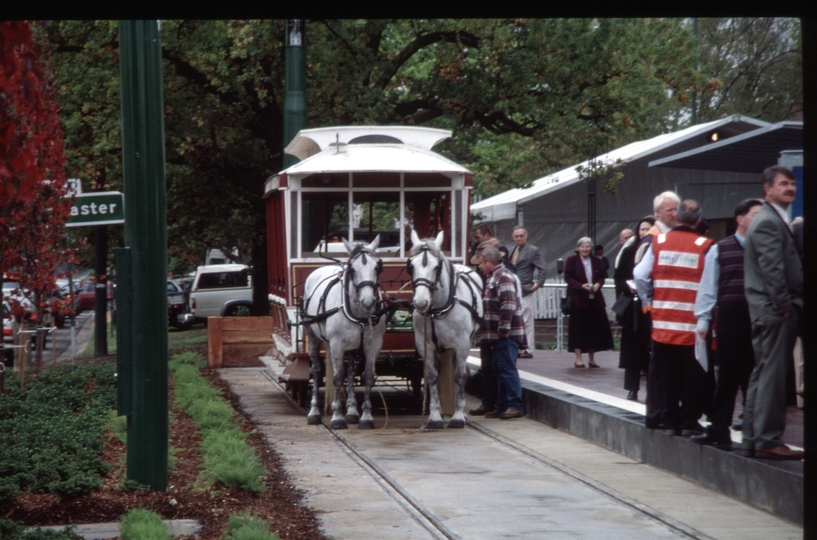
[
  {"x": 436, "y": 528},
  {"x": 417, "y": 511}
]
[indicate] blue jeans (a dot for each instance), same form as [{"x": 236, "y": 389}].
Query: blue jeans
[{"x": 509, "y": 388}]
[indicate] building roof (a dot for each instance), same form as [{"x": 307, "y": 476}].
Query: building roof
[
  {"x": 749, "y": 153},
  {"x": 503, "y": 205}
]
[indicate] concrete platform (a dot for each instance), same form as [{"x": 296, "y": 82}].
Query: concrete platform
[{"x": 586, "y": 403}]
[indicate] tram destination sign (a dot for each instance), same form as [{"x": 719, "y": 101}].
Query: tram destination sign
[{"x": 99, "y": 208}]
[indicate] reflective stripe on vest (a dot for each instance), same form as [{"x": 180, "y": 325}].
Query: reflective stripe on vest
[{"x": 677, "y": 269}]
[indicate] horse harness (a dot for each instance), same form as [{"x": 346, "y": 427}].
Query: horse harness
[
  {"x": 440, "y": 312},
  {"x": 346, "y": 276}
]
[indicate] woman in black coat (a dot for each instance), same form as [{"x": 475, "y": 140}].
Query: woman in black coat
[
  {"x": 636, "y": 329},
  {"x": 588, "y": 328}
]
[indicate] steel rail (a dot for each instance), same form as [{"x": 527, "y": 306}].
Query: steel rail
[
  {"x": 438, "y": 529},
  {"x": 417, "y": 511}
]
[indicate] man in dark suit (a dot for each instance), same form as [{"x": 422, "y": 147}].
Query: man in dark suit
[
  {"x": 528, "y": 262},
  {"x": 722, "y": 286},
  {"x": 773, "y": 280}
]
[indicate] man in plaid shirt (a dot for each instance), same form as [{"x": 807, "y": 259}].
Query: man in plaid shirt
[{"x": 503, "y": 330}]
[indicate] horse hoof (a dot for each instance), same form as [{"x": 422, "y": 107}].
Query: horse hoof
[
  {"x": 457, "y": 424},
  {"x": 313, "y": 420},
  {"x": 435, "y": 424},
  {"x": 366, "y": 424},
  {"x": 338, "y": 424},
  {"x": 352, "y": 418}
]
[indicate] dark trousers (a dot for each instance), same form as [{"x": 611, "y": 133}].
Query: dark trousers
[
  {"x": 764, "y": 417},
  {"x": 486, "y": 369},
  {"x": 736, "y": 359},
  {"x": 632, "y": 379},
  {"x": 676, "y": 388}
]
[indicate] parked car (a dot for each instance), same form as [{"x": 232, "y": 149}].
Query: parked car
[
  {"x": 177, "y": 304},
  {"x": 14, "y": 296},
  {"x": 86, "y": 296},
  {"x": 220, "y": 290},
  {"x": 8, "y": 336}
]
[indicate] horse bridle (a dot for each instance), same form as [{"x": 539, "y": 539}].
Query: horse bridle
[
  {"x": 361, "y": 251},
  {"x": 421, "y": 281}
]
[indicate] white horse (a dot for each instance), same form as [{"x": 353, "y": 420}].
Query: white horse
[
  {"x": 447, "y": 312},
  {"x": 339, "y": 309}
]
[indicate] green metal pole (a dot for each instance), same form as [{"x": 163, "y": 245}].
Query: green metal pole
[
  {"x": 146, "y": 236},
  {"x": 295, "y": 113}
]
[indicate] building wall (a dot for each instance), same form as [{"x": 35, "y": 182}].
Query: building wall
[{"x": 556, "y": 220}]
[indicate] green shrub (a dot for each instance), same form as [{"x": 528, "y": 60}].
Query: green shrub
[
  {"x": 141, "y": 524},
  {"x": 53, "y": 431},
  {"x": 247, "y": 527}
]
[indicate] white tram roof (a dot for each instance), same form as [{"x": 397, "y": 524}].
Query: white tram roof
[{"x": 370, "y": 149}]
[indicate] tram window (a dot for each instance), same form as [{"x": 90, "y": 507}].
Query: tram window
[
  {"x": 431, "y": 213},
  {"x": 376, "y": 213},
  {"x": 323, "y": 215}
]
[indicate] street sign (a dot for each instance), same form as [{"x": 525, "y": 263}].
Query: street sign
[{"x": 98, "y": 208}]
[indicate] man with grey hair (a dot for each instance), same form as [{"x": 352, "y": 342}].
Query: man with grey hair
[
  {"x": 665, "y": 207},
  {"x": 667, "y": 281},
  {"x": 502, "y": 333},
  {"x": 527, "y": 261}
]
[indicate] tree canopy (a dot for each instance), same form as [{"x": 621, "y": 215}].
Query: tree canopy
[
  {"x": 523, "y": 97},
  {"x": 32, "y": 177}
]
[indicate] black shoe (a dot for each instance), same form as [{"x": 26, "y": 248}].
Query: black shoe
[
  {"x": 738, "y": 427},
  {"x": 720, "y": 439},
  {"x": 692, "y": 429},
  {"x": 632, "y": 395},
  {"x": 480, "y": 411}
]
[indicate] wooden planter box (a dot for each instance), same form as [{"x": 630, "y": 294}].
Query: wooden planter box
[{"x": 238, "y": 341}]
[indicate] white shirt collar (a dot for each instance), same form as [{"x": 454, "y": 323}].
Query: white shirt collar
[{"x": 663, "y": 226}]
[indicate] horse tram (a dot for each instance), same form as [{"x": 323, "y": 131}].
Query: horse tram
[{"x": 368, "y": 219}]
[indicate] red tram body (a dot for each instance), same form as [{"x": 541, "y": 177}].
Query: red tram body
[{"x": 357, "y": 182}]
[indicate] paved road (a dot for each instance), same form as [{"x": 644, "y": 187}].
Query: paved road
[
  {"x": 58, "y": 343},
  {"x": 517, "y": 479}
]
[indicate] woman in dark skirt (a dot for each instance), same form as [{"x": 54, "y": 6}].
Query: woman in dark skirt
[
  {"x": 635, "y": 324},
  {"x": 588, "y": 328}
]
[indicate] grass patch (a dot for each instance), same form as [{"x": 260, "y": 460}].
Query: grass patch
[
  {"x": 141, "y": 524},
  {"x": 176, "y": 339},
  {"x": 187, "y": 339},
  {"x": 247, "y": 527},
  {"x": 228, "y": 459}
]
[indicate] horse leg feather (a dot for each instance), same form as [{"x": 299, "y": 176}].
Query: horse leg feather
[
  {"x": 352, "y": 415},
  {"x": 338, "y": 421},
  {"x": 435, "y": 420},
  {"x": 314, "y": 416}
]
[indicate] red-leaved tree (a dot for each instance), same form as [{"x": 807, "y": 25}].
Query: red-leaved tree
[{"x": 33, "y": 211}]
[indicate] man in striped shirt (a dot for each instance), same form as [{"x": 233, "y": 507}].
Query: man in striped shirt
[
  {"x": 667, "y": 281},
  {"x": 502, "y": 331}
]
